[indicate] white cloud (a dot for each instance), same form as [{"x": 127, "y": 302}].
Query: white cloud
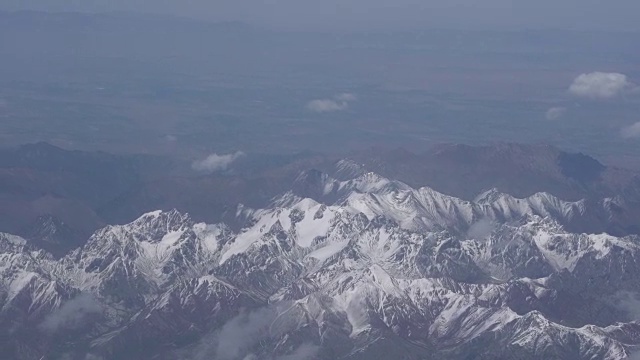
[
  {"x": 600, "y": 85},
  {"x": 171, "y": 138},
  {"x": 93, "y": 357},
  {"x": 628, "y": 302},
  {"x": 337, "y": 103},
  {"x": 305, "y": 351},
  {"x": 237, "y": 336},
  {"x": 631, "y": 132},
  {"x": 555, "y": 113},
  {"x": 327, "y": 105},
  {"x": 71, "y": 314},
  {"x": 242, "y": 332},
  {"x": 241, "y": 335},
  {"x": 481, "y": 229},
  {"x": 215, "y": 162},
  {"x": 348, "y": 97}
]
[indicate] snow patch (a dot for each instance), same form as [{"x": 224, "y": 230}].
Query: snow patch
[
  {"x": 312, "y": 227},
  {"x": 326, "y": 252}
]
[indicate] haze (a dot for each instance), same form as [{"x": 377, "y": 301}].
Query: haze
[
  {"x": 319, "y": 180},
  {"x": 289, "y": 76},
  {"x": 377, "y": 14}
]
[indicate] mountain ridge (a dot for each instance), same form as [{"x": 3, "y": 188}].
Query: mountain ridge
[
  {"x": 73, "y": 187},
  {"x": 345, "y": 273}
]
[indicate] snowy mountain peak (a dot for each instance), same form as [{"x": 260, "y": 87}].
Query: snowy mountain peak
[
  {"x": 488, "y": 197},
  {"x": 349, "y": 169},
  {"x": 11, "y": 241},
  {"x": 364, "y": 265}
]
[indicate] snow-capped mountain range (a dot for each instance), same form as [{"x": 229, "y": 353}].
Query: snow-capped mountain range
[{"x": 364, "y": 268}]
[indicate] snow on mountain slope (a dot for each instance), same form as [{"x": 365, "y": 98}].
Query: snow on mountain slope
[
  {"x": 424, "y": 209},
  {"x": 369, "y": 265}
]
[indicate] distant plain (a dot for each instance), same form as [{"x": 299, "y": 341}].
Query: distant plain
[{"x": 128, "y": 83}]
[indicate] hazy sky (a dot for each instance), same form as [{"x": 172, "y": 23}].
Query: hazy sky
[{"x": 375, "y": 14}]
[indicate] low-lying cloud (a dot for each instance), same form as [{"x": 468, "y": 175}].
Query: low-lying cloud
[
  {"x": 305, "y": 351},
  {"x": 238, "y": 338},
  {"x": 214, "y": 162},
  {"x": 242, "y": 332},
  {"x": 600, "y": 85},
  {"x": 348, "y": 97},
  {"x": 631, "y": 132},
  {"x": 628, "y": 302},
  {"x": 327, "y": 105},
  {"x": 88, "y": 356},
  {"x": 3, "y": 105},
  {"x": 337, "y": 103},
  {"x": 72, "y": 314},
  {"x": 481, "y": 229},
  {"x": 555, "y": 113}
]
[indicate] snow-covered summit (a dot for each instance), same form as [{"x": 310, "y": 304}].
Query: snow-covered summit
[{"x": 358, "y": 266}]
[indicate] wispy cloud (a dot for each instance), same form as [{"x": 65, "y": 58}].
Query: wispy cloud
[
  {"x": 337, "y": 103},
  {"x": 628, "y": 302},
  {"x": 327, "y": 105},
  {"x": 348, "y": 97},
  {"x": 305, "y": 351},
  {"x": 481, "y": 229},
  {"x": 631, "y": 132},
  {"x": 242, "y": 332},
  {"x": 3, "y": 105},
  {"x": 72, "y": 314},
  {"x": 555, "y": 113},
  {"x": 240, "y": 337},
  {"x": 600, "y": 85},
  {"x": 93, "y": 357},
  {"x": 214, "y": 162}
]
